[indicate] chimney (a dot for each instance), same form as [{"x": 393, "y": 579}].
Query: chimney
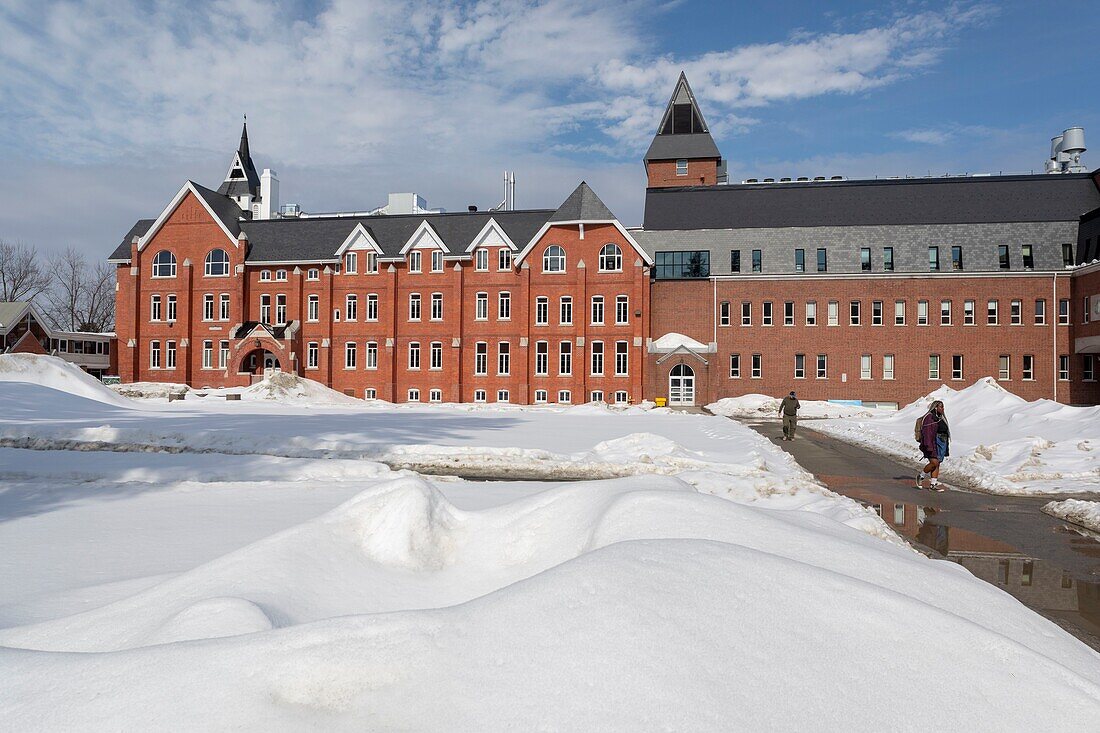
[{"x": 269, "y": 193}]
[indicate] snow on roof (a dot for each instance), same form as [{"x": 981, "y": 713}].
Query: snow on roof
[{"x": 675, "y": 340}]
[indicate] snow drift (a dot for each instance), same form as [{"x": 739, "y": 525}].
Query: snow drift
[
  {"x": 999, "y": 442},
  {"x": 760, "y": 405},
  {"x": 610, "y": 605},
  {"x": 58, "y": 374}
]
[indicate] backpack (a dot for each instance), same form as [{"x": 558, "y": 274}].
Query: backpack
[{"x": 917, "y": 427}]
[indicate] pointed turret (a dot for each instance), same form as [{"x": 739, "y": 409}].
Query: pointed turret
[
  {"x": 583, "y": 205},
  {"x": 242, "y": 183},
  {"x": 682, "y": 152}
]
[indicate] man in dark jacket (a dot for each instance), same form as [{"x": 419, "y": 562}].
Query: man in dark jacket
[
  {"x": 788, "y": 410},
  {"x": 934, "y": 436}
]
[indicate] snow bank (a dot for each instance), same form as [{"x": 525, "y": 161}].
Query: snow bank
[
  {"x": 676, "y": 340},
  {"x": 632, "y": 604},
  {"x": 999, "y": 442},
  {"x": 286, "y": 387},
  {"x": 759, "y": 405},
  {"x": 150, "y": 390},
  {"x": 58, "y": 374},
  {"x": 1083, "y": 513}
]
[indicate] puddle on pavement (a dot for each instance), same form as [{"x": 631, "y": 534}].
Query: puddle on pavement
[{"x": 1045, "y": 586}]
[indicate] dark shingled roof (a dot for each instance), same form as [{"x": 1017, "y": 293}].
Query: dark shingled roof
[
  {"x": 971, "y": 200},
  {"x": 224, "y": 207},
  {"x": 675, "y": 147},
  {"x": 582, "y": 205},
  {"x": 122, "y": 251},
  {"x": 317, "y": 239}
]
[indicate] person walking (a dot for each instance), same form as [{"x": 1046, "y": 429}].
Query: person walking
[
  {"x": 934, "y": 435},
  {"x": 788, "y": 410}
]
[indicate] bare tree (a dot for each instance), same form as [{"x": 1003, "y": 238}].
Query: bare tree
[
  {"x": 22, "y": 276},
  {"x": 80, "y": 298}
]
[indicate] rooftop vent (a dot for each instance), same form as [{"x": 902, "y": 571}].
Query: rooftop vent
[
  {"x": 1066, "y": 150},
  {"x": 290, "y": 211}
]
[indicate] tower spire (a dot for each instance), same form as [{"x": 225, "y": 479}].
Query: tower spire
[
  {"x": 242, "y": 180},
  {"x": 682, "y": 152}
]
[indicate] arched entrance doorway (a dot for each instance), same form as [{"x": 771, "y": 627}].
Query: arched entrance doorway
[
  {"x": 681, "y": 386},
  {"x": 257, "y": 361}
]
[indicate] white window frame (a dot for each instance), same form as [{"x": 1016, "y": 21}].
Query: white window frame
[
  {"x": 413, "y": 363},
  {"x": 414, "y": 307},
  {"x": 611, "y": 260},
  {"x": 481, "y": 307}
]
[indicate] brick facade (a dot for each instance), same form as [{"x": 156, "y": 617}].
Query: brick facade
[
  {"x": 695, "y": 309},
  {"x": 662, "y": 173},
  {"x": 386, "y": 335}
]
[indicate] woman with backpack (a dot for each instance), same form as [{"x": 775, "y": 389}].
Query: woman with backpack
[{"x": 934, "y": 435}]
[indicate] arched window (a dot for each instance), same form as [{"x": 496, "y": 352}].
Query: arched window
[
  {"x": 553, "y": 259},
  {"x": 217, "y": 263},
  {"x": 611, "y": 258},
  {"x": 164, "y": 264}
]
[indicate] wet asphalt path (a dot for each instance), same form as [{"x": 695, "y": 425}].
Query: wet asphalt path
[{"x": 984, "y": 532}]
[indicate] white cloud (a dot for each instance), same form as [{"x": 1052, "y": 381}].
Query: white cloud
[{"x": 362, "y": 97}]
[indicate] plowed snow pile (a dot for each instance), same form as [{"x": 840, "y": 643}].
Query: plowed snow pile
[
  {"x": 999, "y": 442},
  {"x": 1083, "y": 513},
  {"x": 760, "y": 405},
  {"x": 633, "y": 604},
  {"x": 290, "y": 388}
]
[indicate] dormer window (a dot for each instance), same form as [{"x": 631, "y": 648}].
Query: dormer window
[
  {"x": 437, "y": 260},
  {"x": 504, "y": 259},
  {"x": 414, "y": 261},
  {"x": 280, "y": 275},
  {"x": 265, "y": 276},
  {"x": 351, "y": 263},
  {"x": 313, "y": 274},
  {"x": 372, "y": 263},
  {"x": 481, "y": 260}
]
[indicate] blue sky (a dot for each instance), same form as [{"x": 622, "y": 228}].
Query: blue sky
[{"x": 109, "y": 106}]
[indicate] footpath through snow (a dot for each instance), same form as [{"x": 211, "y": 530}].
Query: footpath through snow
[{"x": 1000, "y": 443}]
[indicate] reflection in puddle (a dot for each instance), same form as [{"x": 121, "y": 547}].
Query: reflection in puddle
[{"x": 1038, "y": 583}]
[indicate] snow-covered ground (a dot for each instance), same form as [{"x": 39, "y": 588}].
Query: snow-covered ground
[
  {"x": 249, "y": 579},
  {"x": 999, "y": 442},
  {"x": 761, "y": 405},
  {"x": 1083, "y": 513}
]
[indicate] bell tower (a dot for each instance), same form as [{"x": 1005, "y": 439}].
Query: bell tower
[{"x": 682, "y": 152}]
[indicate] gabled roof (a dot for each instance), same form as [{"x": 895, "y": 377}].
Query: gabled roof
[
  {"x": 318, "y": 239},
  {"x": 424, "y": 231},
  {"x": 582, "y": 205},
  {"x": 221, "y": 208},
  {"x": 12, "y": 312},
  {"x": 241, "y": 177},
  {"x": 683, "y": 133}
]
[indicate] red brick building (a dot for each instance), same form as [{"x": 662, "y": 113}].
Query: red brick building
[
  {"x": 910, "y": 283},
  {"x": 543, "y": 306}
]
